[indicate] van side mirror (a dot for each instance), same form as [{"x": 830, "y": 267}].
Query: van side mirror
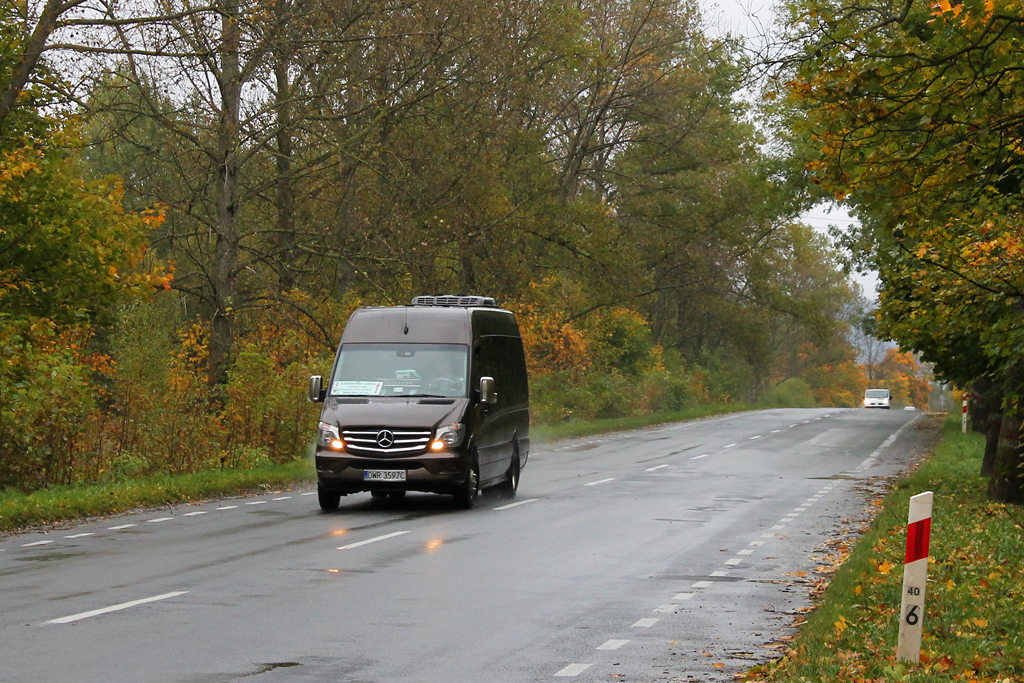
[
  {"x": 488, "y": 392},
  {"x": 316, "y": 393}
]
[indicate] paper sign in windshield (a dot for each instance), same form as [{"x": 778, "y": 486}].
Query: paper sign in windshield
[{"x": 343, "y": 388}]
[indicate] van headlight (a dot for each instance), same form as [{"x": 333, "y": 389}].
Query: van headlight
[
  {"x": 448, "y": 436},
  {"x": 328, "y": 437}
]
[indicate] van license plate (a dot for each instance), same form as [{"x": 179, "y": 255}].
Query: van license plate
[{"x": 383, "y": 475}]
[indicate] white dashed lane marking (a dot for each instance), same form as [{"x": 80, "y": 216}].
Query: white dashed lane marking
[
  {"x": 698, "y": 457},
  {"x": 159, "y": 519},
  {"x": 732, "y": 562},
  {"x": 308, "y": 493},
  {"x": 646, "y": 622},
  {"x": 513, "y": 505},
  {"x": 350, "y": 546},
  {"x": 700, "y": 584},
  {"x": 227, "y": 507},
  {"x": 730, "y": 445},
  {"x": 600, "y": 481},
  {"x": 657, "y": 467},
  {"x": 193, "y": 514},
  {"x": 30, "y": 545},
  {"x": 90, "y": 533},
  {"x": 683, "y": 596},
  {"x": 282, "y": 498},
  {"x": 257, "y": 502},
  {"x": 573, "y": 670},
  {"x": 114, "y": 608},
  {"x": 612, "y": 645},
  {"x": 122, "y": 526},
  {"x": 747, "y": 551}
]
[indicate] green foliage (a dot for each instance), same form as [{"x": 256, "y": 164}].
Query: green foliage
[{"x": 791, "y": 393}]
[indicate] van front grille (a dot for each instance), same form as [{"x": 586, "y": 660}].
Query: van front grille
[{"x": 384, "y": 441}]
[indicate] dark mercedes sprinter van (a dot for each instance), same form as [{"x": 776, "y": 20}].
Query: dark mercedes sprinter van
[{"x": 427, "y": 397}]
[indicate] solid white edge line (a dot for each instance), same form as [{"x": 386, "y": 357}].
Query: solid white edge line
[
  {"x": 573, "y": 670},
  {"x": 372, "y": 540},
  {"x": 518, "y": 503},
  {"x": 114, "y": 608},
  {"x": 600, "y": 481}
]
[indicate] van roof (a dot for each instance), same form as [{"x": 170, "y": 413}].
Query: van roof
[{"x": 426, "y": 324}]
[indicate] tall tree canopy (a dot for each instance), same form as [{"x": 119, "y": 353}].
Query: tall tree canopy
[{"x": 912, "y": 115}]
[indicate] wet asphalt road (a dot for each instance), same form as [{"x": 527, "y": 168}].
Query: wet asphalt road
[{"x": 642, "y": 556}]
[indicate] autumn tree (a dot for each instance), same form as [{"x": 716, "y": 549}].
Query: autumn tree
[{"x": 912, "y": 117}]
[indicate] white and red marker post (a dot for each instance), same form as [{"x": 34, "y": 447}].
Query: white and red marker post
[
  {"x": 964, "y": 419},
  {"x": 915, "y": 575}
]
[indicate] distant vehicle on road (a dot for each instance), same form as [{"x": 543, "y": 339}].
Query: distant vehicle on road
[
  {"x": 876, "y": 398},
  {"x": 427, "y": 397}
]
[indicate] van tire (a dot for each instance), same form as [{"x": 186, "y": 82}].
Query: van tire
[
  {"x": 329, "y": 500},
  {"x": 465, "y": 497},
  {"x": 509, "y": 487}
]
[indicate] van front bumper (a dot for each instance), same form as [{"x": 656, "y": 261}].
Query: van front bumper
[{"x": 433, "y": 472}]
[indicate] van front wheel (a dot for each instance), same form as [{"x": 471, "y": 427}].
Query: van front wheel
[
  {"x": 466, "y": 495},
  {"x": 329, "y": 500}
]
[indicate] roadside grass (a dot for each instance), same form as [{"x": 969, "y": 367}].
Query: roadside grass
[
  {"x": 577, "y": 429},
  {"x": 974, "y": 623},
  {"x": 48, "y": 506}
]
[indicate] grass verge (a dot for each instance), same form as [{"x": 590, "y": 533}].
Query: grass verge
[
  {"x": 19, "y": 510},
  {"x": 974, "y": 624},
  {"x": 575, "y": 430}
]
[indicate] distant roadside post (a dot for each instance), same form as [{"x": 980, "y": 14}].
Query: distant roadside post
[
  {"x": 915, "y": 574},
  {"x": 963, "y": 425}
]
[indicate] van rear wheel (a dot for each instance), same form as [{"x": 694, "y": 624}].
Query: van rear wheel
[{"x": 509, "y": 487}]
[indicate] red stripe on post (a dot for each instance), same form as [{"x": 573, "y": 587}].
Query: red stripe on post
[{"x": 918, "y": 535}]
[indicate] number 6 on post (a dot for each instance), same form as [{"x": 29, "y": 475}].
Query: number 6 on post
[{"x": 915, "y": 576}]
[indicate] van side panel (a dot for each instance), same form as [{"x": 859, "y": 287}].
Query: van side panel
[{"x": 504, "y": 427}]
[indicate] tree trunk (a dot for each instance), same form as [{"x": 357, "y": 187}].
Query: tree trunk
[
  {"x": 1007, "y": 482},
  {"x": 285, "y": 192},
  {"x": 33, "y": 50},
  {"x": 225, "y": 271},
  {"x": 986, "y": 405}
]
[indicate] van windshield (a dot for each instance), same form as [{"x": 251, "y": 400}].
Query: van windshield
[
  {"x": 876, "y": 393},
  {"x": 401, "y": 370}
]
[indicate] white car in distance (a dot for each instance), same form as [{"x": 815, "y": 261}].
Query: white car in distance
[{"x": 876, "y": 398}]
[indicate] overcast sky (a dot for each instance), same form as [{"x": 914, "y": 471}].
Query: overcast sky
[{"x": 751, "y": 18}]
